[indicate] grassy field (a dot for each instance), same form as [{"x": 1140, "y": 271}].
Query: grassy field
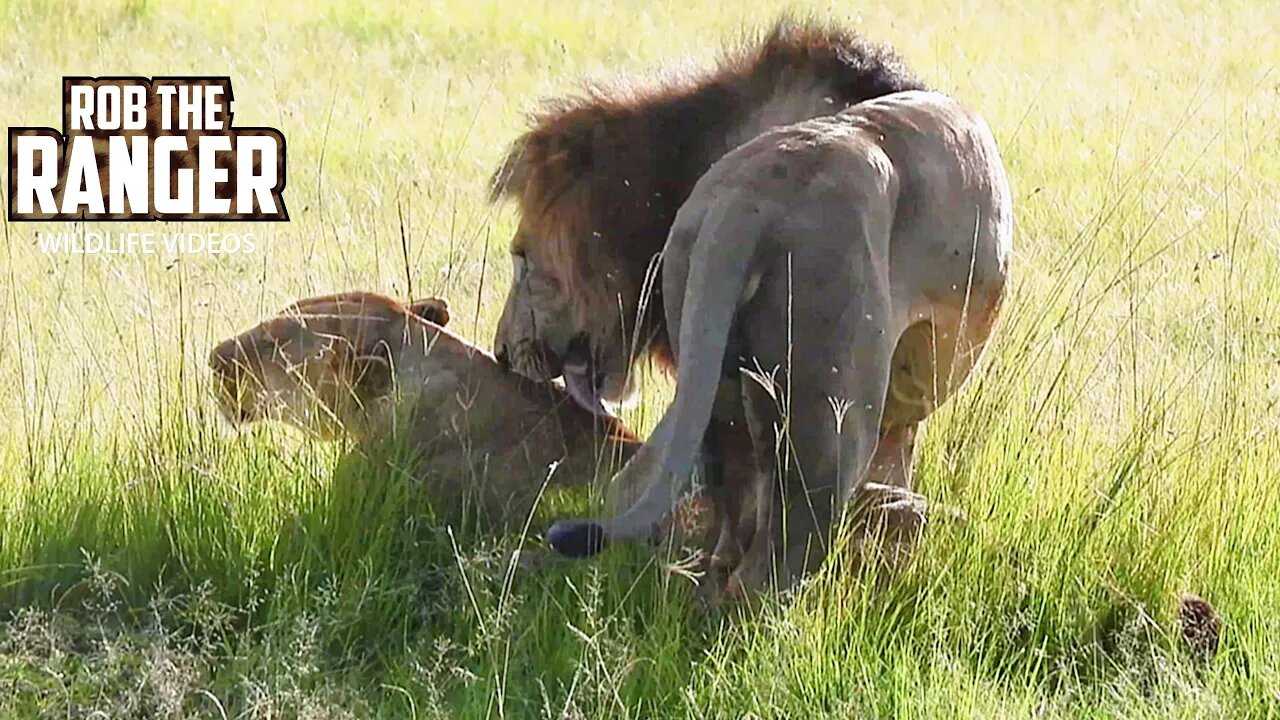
[{"x": 1120, "y": 446}]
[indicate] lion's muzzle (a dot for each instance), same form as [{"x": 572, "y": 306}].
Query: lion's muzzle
[{"x": 530, "y": 358}]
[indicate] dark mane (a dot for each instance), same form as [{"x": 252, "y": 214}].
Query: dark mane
[{"x": 601, "y": 174}]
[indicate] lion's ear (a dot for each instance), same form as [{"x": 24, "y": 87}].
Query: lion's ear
[
  {"x": 558, "y": 153},
  {"x": 433, "y": 310},
  {"x": 575, "y": 149},
  {"x": 514, "y": 174}
]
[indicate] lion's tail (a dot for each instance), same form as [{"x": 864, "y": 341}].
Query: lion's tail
[{"x": 719, "y": 267}]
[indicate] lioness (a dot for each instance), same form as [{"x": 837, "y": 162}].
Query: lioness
[
  {"x": 880, "y": 239},
  {"x": 364, "y": 364}
]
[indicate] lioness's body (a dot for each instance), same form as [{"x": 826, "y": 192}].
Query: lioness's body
[
  {"x": 855, "y": 264},
  {"x": 365, "y": 365}
]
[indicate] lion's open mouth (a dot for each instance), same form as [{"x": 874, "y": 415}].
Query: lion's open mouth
[
  {"x": 584, "y": 386},
  {"x": 582, "y": 377}
]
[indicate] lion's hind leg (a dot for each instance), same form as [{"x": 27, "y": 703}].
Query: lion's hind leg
[
  {"x": 732, "y": 476},
  {"x": 933, "y": 358},
  {"x": 813, "y": 444},
  {"x": 888, "y": 516},
  {"x": 814, "y": 406}
]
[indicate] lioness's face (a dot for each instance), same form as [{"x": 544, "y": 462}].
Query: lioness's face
[
  {"x": 323, "y": 365},
  {"x": 556, "y": 324}
]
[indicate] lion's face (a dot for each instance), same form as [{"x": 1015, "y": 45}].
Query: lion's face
[
  {"x": 568, "y": 319},
  {"x": 324, "y": 364}
]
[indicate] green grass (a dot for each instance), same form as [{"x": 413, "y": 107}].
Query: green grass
[{"x": 1120, "y": 446}]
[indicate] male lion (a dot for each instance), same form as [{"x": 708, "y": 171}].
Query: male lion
[
  {"x": 598, "y": 181},
  {"x": 879, "y": 239},
  {"x": 364, "y": 364}
]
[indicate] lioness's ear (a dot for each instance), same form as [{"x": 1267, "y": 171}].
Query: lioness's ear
[{"x": 433, "y": 310}]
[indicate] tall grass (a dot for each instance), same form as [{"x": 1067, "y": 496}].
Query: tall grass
[{"x": 1117, "y": 448}]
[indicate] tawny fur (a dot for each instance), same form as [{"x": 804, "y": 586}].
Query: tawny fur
[
  {"x": 599, "y": 177},
  {"x": 853, "y": 266},
  {"x": 598, "y": 180},
  {"x": 364, "y": 365}
]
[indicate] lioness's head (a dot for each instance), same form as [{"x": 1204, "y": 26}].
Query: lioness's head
[{"x": 324, "y": 364}]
